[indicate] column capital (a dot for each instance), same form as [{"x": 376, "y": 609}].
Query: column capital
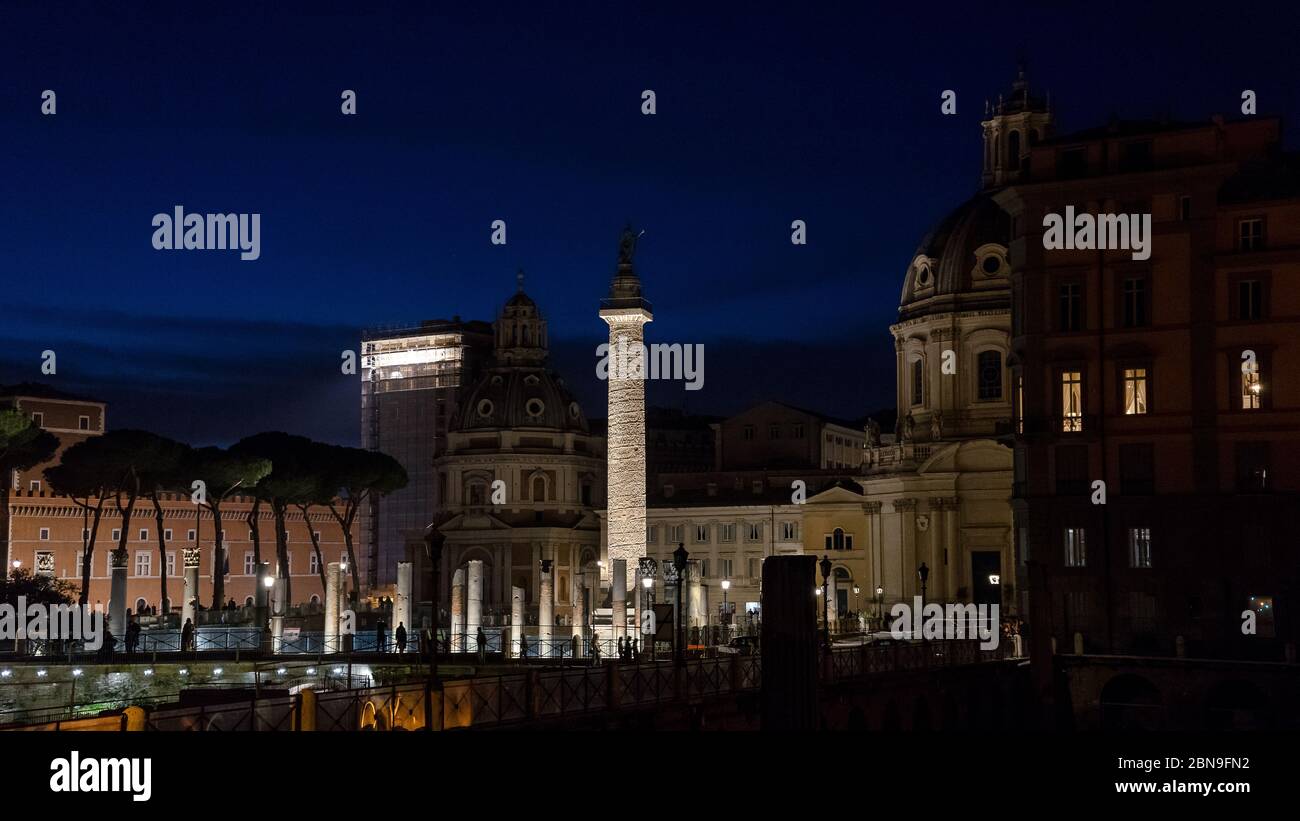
[
  {"x": 871, "y": 508},
  {"x": 905, "y": 505}
]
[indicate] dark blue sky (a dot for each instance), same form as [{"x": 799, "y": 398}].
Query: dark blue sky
[{"x": 528, "y": 113}]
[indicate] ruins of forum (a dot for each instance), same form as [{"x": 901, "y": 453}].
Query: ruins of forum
[{"x": 636, "y": 360}]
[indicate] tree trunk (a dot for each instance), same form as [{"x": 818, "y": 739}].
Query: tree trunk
[
  {"x": 256, "y": 532},
  {"x": 345, "y": 522},
  {"x": 218, "y": 564},
  {"x": 88, "y": 548},
  {"x": 315, "y": 543},
  {"x": 282, "y": 550},
  {"x": 163, "y": 605},
  {"x": 124, "y": 535}
]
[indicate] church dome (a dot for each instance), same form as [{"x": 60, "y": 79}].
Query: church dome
[
  {"x": 518, "y": 391},
  {"x": 520, "y": 397},
  {"x": 961, "y": 264}
]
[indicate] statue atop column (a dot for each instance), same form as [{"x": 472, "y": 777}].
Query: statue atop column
[{"x": 627, "y": 245}]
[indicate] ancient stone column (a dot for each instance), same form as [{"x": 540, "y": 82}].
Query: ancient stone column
[
  {"x": 579, "y": 611},
  {"x": 191, "y": 561},
  {"x": 952, "y": 573},
  {"x": 473, "y": 603},
  {"x": 546, "y": 610},
  {"x": 332, "y": 575},
  {"x": 618, "y": 598},
  {"x": 117, "y": 597},
  {"x": 516, "y": 620},
  {"x": 695, "y": 596},
  {"x": 402, "y": 604},
  {"x": 626, "y": 312},
  {"x": 637, "y": 604},
  {"x": 458, "y": 611}
]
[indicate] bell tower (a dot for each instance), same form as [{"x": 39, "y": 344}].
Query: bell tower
[{"x": 1018, "y": 121}]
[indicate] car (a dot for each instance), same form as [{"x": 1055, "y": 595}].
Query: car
[{"x": 741, "y": 646}]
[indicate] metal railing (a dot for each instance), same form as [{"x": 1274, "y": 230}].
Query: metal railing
[{"x": 543, "y": 693}]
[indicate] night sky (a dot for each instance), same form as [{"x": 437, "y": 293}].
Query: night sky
[{"x": 528, "y": 113}]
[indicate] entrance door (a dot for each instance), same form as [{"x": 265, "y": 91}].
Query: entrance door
[{"x": 986, "y": 577}]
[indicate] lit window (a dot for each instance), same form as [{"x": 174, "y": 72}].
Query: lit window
[
  {"x": 1135, "y": 391},
  {"x": 1076, "y": 553},
  {"x": 1251, "y": 386},
  {"x": 1071, "y": 401},
  {"x": 1139, "y": 547}
]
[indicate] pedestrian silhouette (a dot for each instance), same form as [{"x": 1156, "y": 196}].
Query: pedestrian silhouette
[
  {"x": 482, "y": 645},
  {"x": 187, "y": 636},
  {"x": 381, "y": 641},
  {"x": 400, "y": 635}
]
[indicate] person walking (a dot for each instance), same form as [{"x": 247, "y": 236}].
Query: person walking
[
  {"x": 187, "y": 636},
  {"x": 400, "y": 635},
  {"x": 381, "y": 638}
]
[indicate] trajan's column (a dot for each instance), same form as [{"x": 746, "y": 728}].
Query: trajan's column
[{"x": 626, "y": 312}]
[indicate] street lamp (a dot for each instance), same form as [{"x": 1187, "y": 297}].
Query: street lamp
[
  {"x": 857, "y": 614},
  {"x": 826, "y": 602},
  {"x": 648, "y": 583},
  {"x": 726, "y": 585},
  {"x": 679, "y": 563},
  {"x": 924, "y": 573},
  {"x": 880, "y": 607}
]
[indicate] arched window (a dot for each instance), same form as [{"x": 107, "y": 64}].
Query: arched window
[
  {"x": 989, "y": 370},
  {"x": 918, "y": 382},
  {"x": 539, "y": 489},
  {"x": 140, "y": 606},
  {"x": 475, "y": 494},
  {"x": 248, "y": 601},
  {"x": 837, "y": 542}
]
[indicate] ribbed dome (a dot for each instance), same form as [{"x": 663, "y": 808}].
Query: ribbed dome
[
  {"x": 962, "y": 260},
  {"x": 520, "y": 397}
]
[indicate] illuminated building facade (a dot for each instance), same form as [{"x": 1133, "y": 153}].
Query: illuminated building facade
[{"x": 410, "y": 383}]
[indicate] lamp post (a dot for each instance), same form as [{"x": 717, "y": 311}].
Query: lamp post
[
  {"x": 433, "y": 541},
  {"x": 679, "y": 564},
  {"x": 880, "y": 607},
  {"x": 648, "y": 583},
  {"x": 825, "y": 565},
  {"x": 856, "y": 612},
  {"x": 726, "y": 615},
  {"x": 923, "y": 573}
]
